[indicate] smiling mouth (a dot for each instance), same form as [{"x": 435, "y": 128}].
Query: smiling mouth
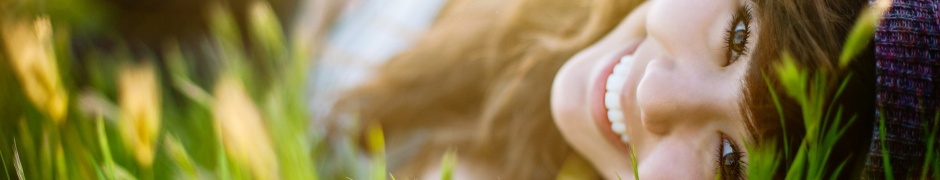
[
  {"x": 613, "y": 86},
  {"x": 610, "y": 119}
]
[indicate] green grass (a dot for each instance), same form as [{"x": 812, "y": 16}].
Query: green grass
[
  {"x": 636, "y": 170},
  {"x": 18, "y": 163},
  {"x": 885, "y": 157},
  {"x": 824, "y": 126},
  {"x": 4, "y": 162},
  {"x": 931, "y": 155}
]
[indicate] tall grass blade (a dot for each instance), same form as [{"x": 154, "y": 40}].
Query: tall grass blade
[
  {"x": 885, "y": 157},
  {"x": 45, "y": 158},
  {"x": 121, "y": 173},
  {"x": 376, "y": 140},
  {"x": 224, "y": 171},
  {"x": 765, "y": 160},
  {"x": 931, "y": 152},
  {"x": 861, "y": 33},
  {"x": 4, "y": 162},
  {"x": 177, "y": 152},
  {"x": 105, "y": 149},
  {"x": 61, "y": 167},
  {"x": 783, "y": 125},
  {"x": 636, "y": 170},
  {"x": 18, "y": 165},
  {"x": 447, "y": 165},
  {"x": 836, "y": 172},
  {"x": 180, "y": 78}
]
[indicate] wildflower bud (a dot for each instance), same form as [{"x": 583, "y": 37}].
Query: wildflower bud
[
  {"x": 140, "y": 110},
  {"x": 242, "y": 129},
  {"x": 265, "y": 28},
  {"x": 32, "y": 56}
]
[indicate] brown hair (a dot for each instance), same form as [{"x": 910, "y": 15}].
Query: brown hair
[
  {"x": 814, "y": 32},
  {"x": 479, "y": 81},
  {"x": 485, "y": 69}
]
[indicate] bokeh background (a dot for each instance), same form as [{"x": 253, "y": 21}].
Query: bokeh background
[{"x": 192, "y": 89}]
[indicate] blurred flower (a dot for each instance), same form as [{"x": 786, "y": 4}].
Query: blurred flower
[
  {"x": 242, "y": 129},
  {"x": 265, "y": 27},
  {"x": 140, "y": 110},
  {"x": 29, "y": 45}
]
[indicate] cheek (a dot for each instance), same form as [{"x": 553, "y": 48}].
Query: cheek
[
  {"x": 564, "y": 99},
  {"x": 677, "y": 159}
]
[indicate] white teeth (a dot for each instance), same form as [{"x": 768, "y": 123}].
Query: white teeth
[
  {"x": 615, "y": 82},
  {"x": 614, "y": 115},
  {"x": 620, "y": 68},
  {"x": 626, "y": 59},
  {"x": 618, "y": 127},
  {"x": 612, "y": 100}
]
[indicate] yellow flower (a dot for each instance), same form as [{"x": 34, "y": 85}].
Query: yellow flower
[
  {"x": 29, "y": 45},
  {"x": 242, "y": 129},
  {"x": 140, "y": 110}
]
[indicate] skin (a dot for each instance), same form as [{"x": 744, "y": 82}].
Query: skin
[{"x": 680, "y": 98}]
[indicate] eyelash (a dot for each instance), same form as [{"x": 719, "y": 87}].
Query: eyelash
[
  {"x": 732, "y": 52},
  {"x": 738, "y": 171}
]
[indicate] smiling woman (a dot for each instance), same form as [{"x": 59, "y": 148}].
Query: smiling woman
[
  {"x": 676, "y": 92},
  {"x": 683, "y": 85},
  {"x": 680, "y": 85}
]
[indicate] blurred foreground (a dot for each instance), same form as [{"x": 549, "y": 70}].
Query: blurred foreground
[{"x": 140, "y": 90}]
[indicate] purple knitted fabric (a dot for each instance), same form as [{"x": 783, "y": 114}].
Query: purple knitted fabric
[{"x": 907, "y": 68}]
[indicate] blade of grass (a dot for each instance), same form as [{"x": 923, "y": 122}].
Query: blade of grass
[
  {"x": 377, "y": 145},
  {"x": 838, "y": 169},
  {"x": 18, "y": 165},
  {"x": 885, "y": 158},
  {"x": 765, "y": 160},
  {"x": 4, "y": 162},
  {"x": 224, "y": 171},
  {"x": 61, "y": 167},
  {"x": 45, "y": 157},
  {"x": 783, "y": 125},
  {"x": 95, "y": 165},
  {"x": 447, "y": 165},
  {"x": 861, "y": 33},
  {"x": 845, "y": 83},
  {"x": 177, "y": 153},
  {"x": 636, "y": 171},
  {"x": 105, "y": 149},
  {"x": 121, "y": 173},
  {"x": 931, "y": 141}
]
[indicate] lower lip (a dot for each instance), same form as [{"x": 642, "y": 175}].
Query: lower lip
[{"x": 600, "y": 111}]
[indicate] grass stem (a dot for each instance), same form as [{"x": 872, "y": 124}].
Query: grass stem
[
  {"x": 885, "y": 156},
  {"x": 4, "y": 162},
  {"x": 636, "y": 171}
]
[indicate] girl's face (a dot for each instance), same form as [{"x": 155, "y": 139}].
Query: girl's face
[{"x": 666, "y": 83}]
